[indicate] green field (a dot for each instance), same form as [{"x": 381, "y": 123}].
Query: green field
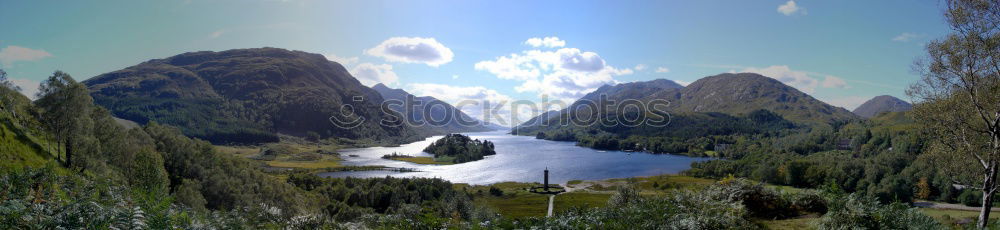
[
  {"x": 797, "y": 223},
  {"x": 517, "y": 202}
]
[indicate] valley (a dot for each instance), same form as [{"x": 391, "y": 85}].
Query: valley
[{"x": 482, "y": 115}]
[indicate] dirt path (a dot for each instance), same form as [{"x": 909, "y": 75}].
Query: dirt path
[
  {"x": 552, "y": 199},
  {"x": 937, "y": 205}
]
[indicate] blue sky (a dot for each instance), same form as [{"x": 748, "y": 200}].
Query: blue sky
[{"x": 842, "y": 52}]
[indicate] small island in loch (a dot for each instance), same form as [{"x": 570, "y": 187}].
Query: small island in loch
[{"x": 458, "y": 148}]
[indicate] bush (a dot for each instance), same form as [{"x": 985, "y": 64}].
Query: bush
[
  {"x": 495, "y": 191},
  {"x": 971, "y": 197},
  {"x": 857, "y": 212}
]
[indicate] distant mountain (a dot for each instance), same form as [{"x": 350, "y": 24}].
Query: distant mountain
[
  {"x": 618, "y": 92},
  {"x": 741, "y": 93},
  {"x": 715, "y": 107},
  {"x": 727, "y": 93},
  {"x": 632, "y": 90},
  {"x": 247, "y": 96},
  {"x": 880, "y": 104},
  {"x": 428, "y": 110}
]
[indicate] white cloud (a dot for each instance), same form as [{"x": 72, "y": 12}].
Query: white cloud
[
  {"x": 662, "y": 70},
  {"x": 834, "y": 82},
  {"x": 345, "y": 61},
  {"x": 799, "y": 79},
  {"x": 28, "y": 87},
  {"x": 790, "y": 8},
  {"x": 551, "y": 42},
  {"x": 640, "y": 67},
  {"x": 12, "y": 54},
  {"x": 454, "y": 76},
  {"x": 848, "y": 102},
  {"x": 684, "y": 83},
  {"x": 370, "y": 74},
  {"x": 217, "y": 34},
  {"x": 413, "y": 50},
  {"x": 905, "y": 37},
  {"x": 566, "y": 73}
]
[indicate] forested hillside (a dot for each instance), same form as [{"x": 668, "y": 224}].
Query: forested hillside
[{"x": 247, "y": 96}]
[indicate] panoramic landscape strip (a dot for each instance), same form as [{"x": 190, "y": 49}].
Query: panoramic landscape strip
[{"x": 300, "y": 114}]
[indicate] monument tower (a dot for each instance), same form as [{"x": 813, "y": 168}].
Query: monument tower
[{"x": 546, "y": 188}]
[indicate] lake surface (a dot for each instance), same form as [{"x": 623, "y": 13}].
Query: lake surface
[{"x": 519, "y": 159}]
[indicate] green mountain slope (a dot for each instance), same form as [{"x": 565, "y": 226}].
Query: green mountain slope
[
  {"x": 247, "y": 96},
  {"x": 881, "y": 104},
  {"x": 20, "y": 144},
  {"x": 746, "y": 92}
]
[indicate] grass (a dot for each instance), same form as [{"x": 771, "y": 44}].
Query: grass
[
  {"x": 566, "y": 201},
  {"x": 796, "y": 223},
  {"x": 322, "y": 164},
  {"x": 517, "y": 202},
  {"x": 950, "y": 217},
  {"x": 290, "y": 154},
  {"x": 664, "y": 183},
  {"x": 422, "y": 160},
  {"x": 19, "y": 148},
  {"x": 242, "y": 151}
]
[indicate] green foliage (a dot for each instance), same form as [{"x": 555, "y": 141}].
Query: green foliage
[
  {"x": 461, "y": 147},
  {"x": 971, "y": 197},
  {"x": 226, "y": 182},
  {"x": 352, "y": 198},
  {"x": 495, "y": 191},
  {"x": 881, "y": 160},
  {"x": 39, "y": 198},
  {"x": 859, "y": 212}
]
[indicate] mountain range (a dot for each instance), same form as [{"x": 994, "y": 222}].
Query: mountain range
[
  {"x": 248, "y": 96},
  {"x": 257, "y": 95},
  {"x": 881, "y": 104},
  {"x": 729, "y": 93}
]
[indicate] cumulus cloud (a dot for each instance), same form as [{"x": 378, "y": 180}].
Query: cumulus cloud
[
  {"x": 413, "y": 50},
  {"x": 551, "y": 42},
  {"x": 905, "y": 37},
  {"x": 370, "y": 74},
  {"x": 683, "y": 83},
  {"x": 802, "y": 80},
  {"x": 834, "y": 82},
  {"x": 662, "y": 70},
  {"x": 11, "y": 54},
  {"x": 790, "y": 8},
  {"x": 848, "y": 102},
  {"x": 566, "y": 73},
  {"x": 345, "y": 61}
]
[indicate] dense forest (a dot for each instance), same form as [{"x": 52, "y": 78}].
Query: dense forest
[{"x": 460, "y": 148}]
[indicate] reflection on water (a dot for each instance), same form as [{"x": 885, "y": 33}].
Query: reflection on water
[{"x": 519, "y": 159}]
